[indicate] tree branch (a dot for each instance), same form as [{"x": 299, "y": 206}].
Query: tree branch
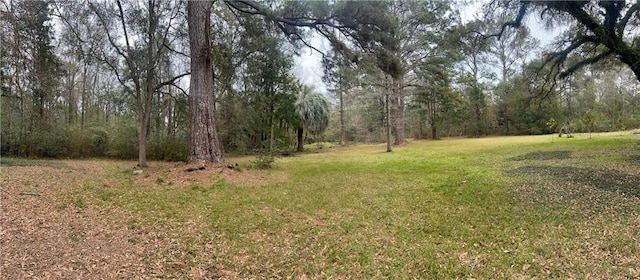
[
  {"x": 171, "y": 81},
  {"x": 66, "y": 21},
  {"x": 115, "y": 71},
  {"x": 622, "y": 24},
  {"x": 165, "y": 45},
  {"x": 515, "y": 23},
  {"x": 561, "y": 56},
  {"x": 584, "y": 62}
]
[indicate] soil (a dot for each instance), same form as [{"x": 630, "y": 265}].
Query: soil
[{"x": 43, "y": 236}]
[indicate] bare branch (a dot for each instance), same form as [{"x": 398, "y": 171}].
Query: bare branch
[
  {"x": 308, "y": 45},
  {"x": 111, "y": 40},
  {"x": 171, "y": 81},
  {"x": 115, "y": 71},
  {"x": 257, "y": 9},
  {"x": 169, "y": 48},
  {"x": 66, "y": 21},
  {"x": 124, "y": 26}
]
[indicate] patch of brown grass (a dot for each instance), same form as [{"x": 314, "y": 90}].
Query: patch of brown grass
[{"x": 46, "y": 233}]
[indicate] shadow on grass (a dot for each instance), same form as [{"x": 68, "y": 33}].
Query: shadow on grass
[
  {"x": 605, "y": 179},
  {"x": 547, "y": 155}
]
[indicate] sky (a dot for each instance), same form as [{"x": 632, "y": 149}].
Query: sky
[{"x": 308, "y": 66}]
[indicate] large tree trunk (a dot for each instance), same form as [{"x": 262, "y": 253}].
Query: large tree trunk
[
  {"x": 204, "y": 145},
  {"x": 144, "y": 109}
]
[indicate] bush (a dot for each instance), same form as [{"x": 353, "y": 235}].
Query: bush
[
  {"x": 99, "y": 141},
  {"x": 49, "y": 143},
  {"x": 124, "y": 140},
  {"x": 263, "y": 162},
  {"x": 168, "y": 149}
]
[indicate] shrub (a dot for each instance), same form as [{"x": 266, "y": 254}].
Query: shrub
[
  {"x": 99, "y": 141},
  {"x": 124, "y": 140},
  {"x": 49, "y": 143},
  {"x": 263, "y": 162},
  {"x": 168, "y": 149}
]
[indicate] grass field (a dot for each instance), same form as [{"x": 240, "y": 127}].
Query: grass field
[{"x": 502, "y": 207}]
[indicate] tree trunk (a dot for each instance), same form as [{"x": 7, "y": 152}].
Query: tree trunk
[
  {"x": 272, "y": 134},
  {"x": 145, "y": 109},
  {"x": 478, "y": 114},
  {"x": 204, "y": 145},
  {"x": 387, "y": 112},
  {"x": 420, "y": 126},
  {"x": 398, "y": 110},
  {"x": 343, "y": 140},
  {"x": 71, "y": 102},
  {"x": 434, "y": 131},
  {"x": 142, "y": 140},
  {"x": 300, "y": 140},
  {"x": 83, "y": 94},
  {"x": 388, "y": 121}
]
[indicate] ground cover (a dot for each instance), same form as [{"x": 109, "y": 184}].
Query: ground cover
[{"x": 500, "y": 207}]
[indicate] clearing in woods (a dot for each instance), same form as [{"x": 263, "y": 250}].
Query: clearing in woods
[{"x": 504, "y": 207}]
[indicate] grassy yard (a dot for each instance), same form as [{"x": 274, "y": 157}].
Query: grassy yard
[{"x": 503, "y": 207}]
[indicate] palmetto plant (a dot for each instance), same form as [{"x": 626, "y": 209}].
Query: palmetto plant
[{"x": 313, "y": 110}]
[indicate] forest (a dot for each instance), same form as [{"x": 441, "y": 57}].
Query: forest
[
  {"x": 123, "y": 79},
  {"x": 407, "y": 139}
]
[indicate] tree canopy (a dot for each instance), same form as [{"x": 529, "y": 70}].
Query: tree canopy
[
  {"x": 599, "y": 30},
  {"x": 193, "y": 80}
]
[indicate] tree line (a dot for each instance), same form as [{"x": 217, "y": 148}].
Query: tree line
[{"x": 178, "y": 80}]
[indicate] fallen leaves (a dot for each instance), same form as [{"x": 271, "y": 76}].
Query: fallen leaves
[{"x": 49, "y": 230}]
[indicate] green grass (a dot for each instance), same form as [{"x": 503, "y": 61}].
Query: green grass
[
  {"x": 504, "y": 207},
  {"x": 32, "y": 162}
]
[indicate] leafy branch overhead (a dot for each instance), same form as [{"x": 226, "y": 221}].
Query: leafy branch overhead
[
  {"x": 362, "y": 24},
  {"x": 599, "y": 30}
]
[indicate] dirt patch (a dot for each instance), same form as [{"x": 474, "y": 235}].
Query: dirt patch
[
  {"x": 177, "y": 174},
  {"x": 49, "y": 230},
  {"x": 48, "y": 236}
]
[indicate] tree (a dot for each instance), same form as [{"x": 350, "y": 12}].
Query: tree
[
  {"x": 589, "y": 121},
  {"x": 204, "y": 145},
  {"x": 475, "y": 49},
  {"x": 141, "y": 54},
  {"x": 509, "y": 55},
  {"x": 357, "y": 21},
  {"x": 29, "y": 76},
  {"x": 338, "y": 73},
  {"x": 601, "y": 30},
  {"x": 435, "y": 96},
  {"x": 313, "y": 110},
  {"x": 552, "y": 124}
]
